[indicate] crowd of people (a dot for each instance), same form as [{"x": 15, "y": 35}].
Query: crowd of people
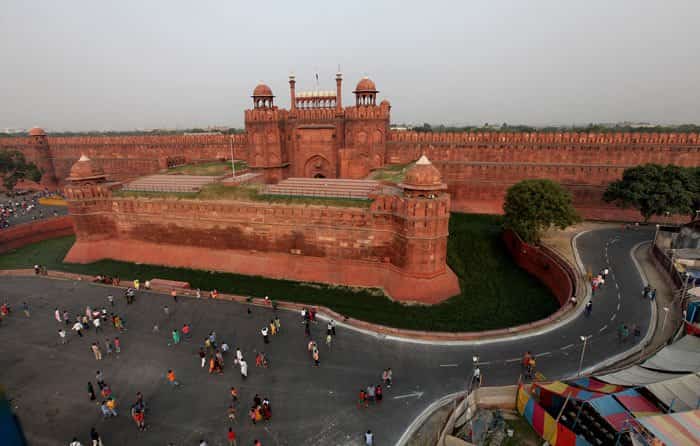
[
  {"x": 103, "y": 327},
  {"x": 23, "y": 208}
]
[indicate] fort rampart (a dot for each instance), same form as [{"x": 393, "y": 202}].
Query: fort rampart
[
  {"x": 397, "y": 243},
  {"x": 37, "y": 231}
]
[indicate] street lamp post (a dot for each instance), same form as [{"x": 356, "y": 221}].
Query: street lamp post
[
  {"x": 656, "y": 234},
  {"x": 663, "y": 324},
  {"x": 584, "y": 339}
]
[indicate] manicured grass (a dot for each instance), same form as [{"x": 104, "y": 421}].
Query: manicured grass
[
  {"x": 495, "y": 292},
  {"x": 218, "y": 191},
  {"x": 393, "y": 173},
  {"x": 213, "y": 168}
]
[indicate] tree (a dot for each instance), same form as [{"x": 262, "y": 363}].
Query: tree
[
  {"x": 653, "y": 189},
  {"x": 14, "y": 167},
  {"x": 532, "y": 206}
]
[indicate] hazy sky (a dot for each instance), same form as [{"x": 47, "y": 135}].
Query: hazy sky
[{"x": 80, "y": 65}]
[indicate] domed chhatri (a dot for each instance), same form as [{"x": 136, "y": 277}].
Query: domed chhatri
[
  {"x": 263, "y": 91},
  {"x": 366, "y": 85},
  {"x": 86, "y": 170},
  {"x": 423, "y": 176},
  {"x": 36, "y": 131}
]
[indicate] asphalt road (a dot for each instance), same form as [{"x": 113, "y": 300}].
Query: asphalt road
[{"x": 311, "y": 406}]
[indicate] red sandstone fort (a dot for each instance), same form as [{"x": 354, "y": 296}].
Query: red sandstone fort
[{"x": 397, "y": 243}]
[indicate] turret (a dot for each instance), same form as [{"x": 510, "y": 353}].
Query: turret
[
  {"x": 41, "y": 156},
  {"x": 426, "y": 217}
]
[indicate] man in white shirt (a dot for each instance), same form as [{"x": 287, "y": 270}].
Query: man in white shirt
[{"x": 264, "y": 333}]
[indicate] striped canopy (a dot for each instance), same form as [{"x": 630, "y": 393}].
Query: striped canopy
[{"x": 678, "y": 429}]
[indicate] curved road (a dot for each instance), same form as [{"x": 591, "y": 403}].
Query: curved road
[{"x": 311, "y": 406}]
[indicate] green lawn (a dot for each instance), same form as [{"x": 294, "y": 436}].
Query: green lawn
[
  {"x": 394, "y": 173},
  {"x": 495, "y": 292},
  {"x": 212, "y": 168},
  {"x": 253, "y": 192}
]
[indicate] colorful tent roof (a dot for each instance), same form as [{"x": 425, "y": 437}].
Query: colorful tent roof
[
  {"x": 636, "y": 403},
  {"x": 562, "y": 389},
  {"x": 596, "y": 385},
  {"x": 678, "y": 429},
  {"x": 616, "y": 415},
  {"x": 544, "y": 424}
]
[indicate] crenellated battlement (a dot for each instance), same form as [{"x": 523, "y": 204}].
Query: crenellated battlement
[{"x": 495, "y": 137}]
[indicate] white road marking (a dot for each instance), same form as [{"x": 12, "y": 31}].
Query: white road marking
[
  {"x": 449, "y": 365},
  {"x": 484, "y": 363},
  {"x": 543, "y": 354},
  {"x": 409, "y": 395},
  {"x": 603, "y": 328},
  {"x": 612, "y": 318},
  {"x": 618, "y": 306},
  {"x": 617, "y": 286},
  {"x": 567, "y": 347},
  {"x": 619, "y": 296},
  {"x": 513, "y": 360}
]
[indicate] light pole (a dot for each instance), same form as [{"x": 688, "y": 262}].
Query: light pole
[
  {"x": 584, "y": 339},
  {"x": 663, "y": 324},
  {"x": 656, "y": 234}
]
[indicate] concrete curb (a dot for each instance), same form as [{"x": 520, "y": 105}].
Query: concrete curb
[{"x": 425, "y": 414}]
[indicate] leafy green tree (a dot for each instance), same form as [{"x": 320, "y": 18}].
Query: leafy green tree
[
  {"x": 14, "y": 167},
  {"x": 653, "y": 189},
  {"x": 532, "y": 206}
]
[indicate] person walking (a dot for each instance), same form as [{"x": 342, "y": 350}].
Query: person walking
[
  {"x": 636, "y": 332},
  {"x": 25, "y": 308},
  {"x": 66, "y": 317},
  {"x": 264, "y": 333},
  {"x": 239, "y": 354},
  {"x": 117, "y": 345},
  {"x": 99, "y": 377},
  {"x": 307, "y": 328},
  {"x": 329, "y": 339},
  {"x": 387, "y": 376},
  {"x": 315, "y": 354},
  {"x": 278, "y": 323},
  {"x": 589, "y": 308},
  {"x": 173, "y": 293},
  {"x": 244, "y": 368},
  {"x": 57, "y": 315},
  {"x": 96, "y": 350},
  {"x": 98, "y": 324},
  {"x": 75, "y": 442},
  {"x": 110, "y": 299},
  {"x": 369, "y": 438},
  {"x": 231, "y": 437},
  {"x": 166, "y": 310},
  {"x": 186, "y": 331},
  {"x": 176, "y": 337},
  {"x": 234, "y": 395},
  {"x": 95, "y": 437},
  {"x": 332, "y": 323},
  {"x": 62, "y": 335},
  {"x": 378, "y": 393},
  {"x": 273, "y": 328},
  {"x": 202, "y": 357},
  {"x": 652, "y": 296},
  {"x": 171, "y": 379},
  {"x": 91, "y": 391}
]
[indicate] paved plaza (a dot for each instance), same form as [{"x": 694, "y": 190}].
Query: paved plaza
[{"x": 310, "y": 405}]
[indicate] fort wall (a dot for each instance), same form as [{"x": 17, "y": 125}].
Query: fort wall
[
  {"x": 37, "y": 231},
  {"x": 369, "y": 247},
  {"x": 555, "y": 274}
]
